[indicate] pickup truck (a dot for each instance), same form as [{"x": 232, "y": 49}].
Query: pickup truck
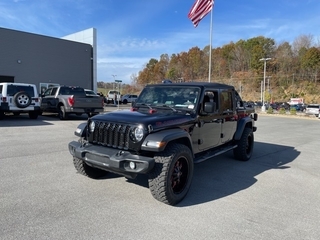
[
  {"x": 65, "y": 100},
  {"x": 169, "y": 128},
  {"x": 113, "y": 96}
]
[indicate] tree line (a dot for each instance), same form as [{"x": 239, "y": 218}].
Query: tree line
[{"x": 292, "y": 71}]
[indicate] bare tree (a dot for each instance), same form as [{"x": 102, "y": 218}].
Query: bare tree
[{"x": 302, "y": 41}]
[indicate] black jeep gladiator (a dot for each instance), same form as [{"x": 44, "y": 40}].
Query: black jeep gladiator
[{"x": 168, "y": 129}]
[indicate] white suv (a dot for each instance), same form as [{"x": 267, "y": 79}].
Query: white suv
[
  {"x": 19, "y": 98},
  {"x": 128, "y": 98},
  {"x": 313, "y": 109}
]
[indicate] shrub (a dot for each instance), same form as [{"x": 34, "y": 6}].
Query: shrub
[
  {"x": 270, "y": 110},
  {"x": 282, "y": 111},
  {"x": 293, "y": 111}
]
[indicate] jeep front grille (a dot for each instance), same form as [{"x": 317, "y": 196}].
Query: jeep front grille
[{"x": 111, "y": 134}]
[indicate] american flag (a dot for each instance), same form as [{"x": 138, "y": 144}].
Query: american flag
[{"x": 199, "y": 10}]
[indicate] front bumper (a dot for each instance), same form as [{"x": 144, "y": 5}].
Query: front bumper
[{"x": 113, "y": 160}]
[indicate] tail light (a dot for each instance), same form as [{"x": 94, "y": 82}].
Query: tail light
[
  {"x": 71, "y": 101},
  {"x": 4, "y": 99}
]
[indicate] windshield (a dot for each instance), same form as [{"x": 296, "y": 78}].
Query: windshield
[{"x": 171, "y": 96}]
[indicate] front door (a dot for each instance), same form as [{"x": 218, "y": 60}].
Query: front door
[{"x": 209, "y": 123}]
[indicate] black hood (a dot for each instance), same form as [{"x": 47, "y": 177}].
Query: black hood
[{"x": 158, "y": 120}]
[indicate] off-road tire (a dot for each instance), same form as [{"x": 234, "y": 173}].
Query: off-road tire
[
  {"x": 86, "y": 170},
  {"x": 171, "y": 177},
  {"x": 22, "y": 99},
  {"x": 245, "y": 145},
  {"x": 33, "y": 115},
  {"x": 2, "y": 115},
  {"x": 62, "y": 113}
]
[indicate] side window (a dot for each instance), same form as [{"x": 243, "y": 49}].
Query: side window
[
  {"x": 47, "y": 92},
  {"x": 226, "y": 101},
  {"x": 212, "y": 96},
  {"x": 239, "y": 101},
  {"x": 54, "y": 90}
]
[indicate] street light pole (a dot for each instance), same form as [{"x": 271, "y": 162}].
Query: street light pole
[
  {"x": 264, "y": 82},
  {"x": 119, "y": 83},
  {"x": 114, "y": 79}
]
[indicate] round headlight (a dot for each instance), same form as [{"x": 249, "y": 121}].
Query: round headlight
[
  {"x": 138, "y": 133},
  {"x": 92, "y": 125}
]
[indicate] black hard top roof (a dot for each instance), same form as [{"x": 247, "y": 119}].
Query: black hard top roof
[{"x": 197, "y": 84}]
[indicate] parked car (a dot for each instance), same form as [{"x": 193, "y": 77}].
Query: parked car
[
  {"x": 313, "y": 109},
  {"x": 298, "y": 107},
  {"x": 19, "y": 98},
  {"x": 128, "y": 98},
  {"x": 113, "y": 97},
  {"x": 65, "y": 100}
]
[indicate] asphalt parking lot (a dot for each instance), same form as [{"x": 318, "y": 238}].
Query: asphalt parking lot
[{"x": 275, "y": 195}]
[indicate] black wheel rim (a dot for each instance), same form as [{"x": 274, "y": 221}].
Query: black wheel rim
[{"x": 179, "y": 176}]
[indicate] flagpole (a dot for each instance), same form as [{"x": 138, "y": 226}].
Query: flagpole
[{"x": 210, "y": 45}]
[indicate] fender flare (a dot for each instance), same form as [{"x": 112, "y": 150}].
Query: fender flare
[
  {"x": 157, "y": 142},
  {"x": 242, "y": 123},
  {"x": 81, "y": 130}
]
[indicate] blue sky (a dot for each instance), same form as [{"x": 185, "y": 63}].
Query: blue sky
[{"x": 132, "y": 32}]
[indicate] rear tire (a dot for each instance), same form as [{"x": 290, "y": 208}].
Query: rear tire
[
  {"x": 86, "y": 170},
  {"x": 2, "y": 115},
  {"x": 245, "y": 145},
  {"x": 62, "y": 113},
  {"x": 170, "y": 180}
]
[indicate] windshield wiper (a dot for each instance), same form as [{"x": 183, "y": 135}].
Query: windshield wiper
[
  {"x": 167, "y": 106},
  {"x": 142, "y": 105},
  {"x": 138, "y": 105}
]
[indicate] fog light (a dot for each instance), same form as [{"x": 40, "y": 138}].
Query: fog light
[{"x": 132, "y": 165}]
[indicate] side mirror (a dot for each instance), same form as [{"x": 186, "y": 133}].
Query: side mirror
[{"x": 209, "y": 107}]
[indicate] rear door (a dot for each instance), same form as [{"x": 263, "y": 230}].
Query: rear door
[
  {"x": 21, "y": 96},
  {"x": 228, "y": 114}
]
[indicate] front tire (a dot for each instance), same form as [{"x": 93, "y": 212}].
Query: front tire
[
  {"x": 245, "y": 145},
  {"x": 86, "y": 170},
  {"x": 170, "y": 180}
]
